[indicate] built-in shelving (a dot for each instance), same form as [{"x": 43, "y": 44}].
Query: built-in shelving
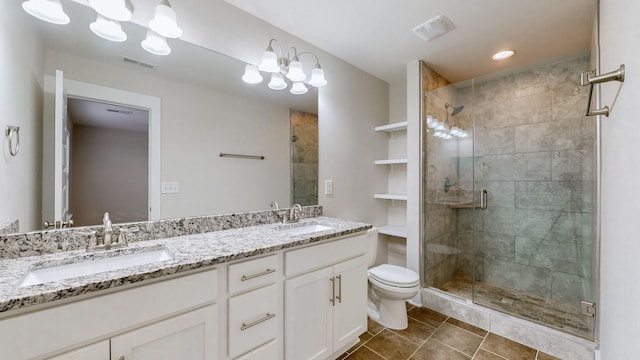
[
  {"x": 393, "y": 230},
  {"x": 399, "y": 126},
  {"x": 397, "y": 144},
  {"x": 390, "y": 196},
  {"x": 391, "y": 161}
]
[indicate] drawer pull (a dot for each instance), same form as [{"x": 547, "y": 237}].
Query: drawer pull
[
  {"x": 333, "y": 291},
  {"x": 339, "y": 296},
  {"x": 253, "y": 276},
  {"x": 254, "y": 323}
]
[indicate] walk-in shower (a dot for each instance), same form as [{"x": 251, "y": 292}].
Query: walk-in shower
[{"x": 512, "y": 227}]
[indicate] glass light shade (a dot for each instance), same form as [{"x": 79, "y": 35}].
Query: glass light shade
[
  {"x": 155, "y": 44},
  {"x": 455, "y": 131},
  {"x": 439, "y": 126},
  {"x": 317, "y": 77},
  {"x": 277, "y": 82},
  {"x": 112, "y": 9},
  {"x": 269, "y": 61},
  {"x": 295, "y": 72},
  {"x": 298, "y": 88},
  {"x": 251, "y": 74},
  {"x": 108, "y": 29},
  {"x": 431, "y": 122},
  {"x": 164, "y": 22},
  {"x": 46, "y": 10}
]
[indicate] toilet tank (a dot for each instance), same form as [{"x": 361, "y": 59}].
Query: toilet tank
[{"x": 372, "y": 234}]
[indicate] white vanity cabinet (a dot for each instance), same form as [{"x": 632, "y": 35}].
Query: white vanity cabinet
[
  {"x": 325, "y": 298},
  {"x": 254, "y": 328},
  {"x": 179, "y": 310}
]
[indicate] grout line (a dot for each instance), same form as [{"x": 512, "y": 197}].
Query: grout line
[
  {"x": 372, "y": 352},
  {"x": 480, "y": 346},
  {"x": 454, "y": 349}
]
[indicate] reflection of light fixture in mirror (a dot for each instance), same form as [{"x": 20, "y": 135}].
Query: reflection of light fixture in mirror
[
  {"x": 277, "y": 82},
  {"x": 47, "y": 10},
  {"x": 298, "y": 88},
  {"x": 445, "y": 130},
  {"x": 289, "y": 66},
  {"x": 251, "y": 74},
  {"x": 155, "y": 44},
  {"x": 164, "y": 21},
  {"x": 501, "y": 55},
  {"x": 117, "y": 10},
  {"x": 108, "y": 29}
]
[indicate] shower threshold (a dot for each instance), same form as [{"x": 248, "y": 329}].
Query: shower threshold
[{"x": 554, "y": 314}]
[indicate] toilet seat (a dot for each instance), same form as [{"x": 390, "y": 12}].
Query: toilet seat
[{"x": 395, "y": 276}]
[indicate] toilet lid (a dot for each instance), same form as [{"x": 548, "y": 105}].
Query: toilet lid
[{"x": 395, "y": 275}]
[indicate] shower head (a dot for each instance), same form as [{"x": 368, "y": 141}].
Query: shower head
[{"x": 456, "y": 109}]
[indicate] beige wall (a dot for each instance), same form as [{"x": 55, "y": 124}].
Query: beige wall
[
  {"x": 21, "y": 104},
  {"x": 109, "y": 172},
  {"x": 198, "y": 124}
]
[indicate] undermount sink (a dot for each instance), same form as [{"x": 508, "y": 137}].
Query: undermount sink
[
  {"x": 302, "y": 228},
  {"x": 94, "y": 266}
]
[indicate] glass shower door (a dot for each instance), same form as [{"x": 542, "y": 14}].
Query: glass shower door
[{"x": 533, "y": 154}]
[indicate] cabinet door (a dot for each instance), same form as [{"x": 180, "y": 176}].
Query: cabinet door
[
  {"x": 308, "y": 316},
  {"x": 191, "y": 336},
  {"x": 350, "y": 312},
  {"x": 97, "y": 351}
]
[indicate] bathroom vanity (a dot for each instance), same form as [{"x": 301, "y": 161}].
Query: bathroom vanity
[{"x": 272, "y": 291}]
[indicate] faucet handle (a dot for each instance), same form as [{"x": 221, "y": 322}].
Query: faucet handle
[
  {"x": 122, "y": 237},
  {"x": 93, "y": 241}
]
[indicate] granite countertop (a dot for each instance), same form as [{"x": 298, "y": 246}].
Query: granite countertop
[{"x": 189, "y": 252}]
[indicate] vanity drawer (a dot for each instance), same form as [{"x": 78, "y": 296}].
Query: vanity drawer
[
  {"x": 253, "y": 319},
  {"x": 318, "y": 256},
  {"x": 269, "y": 351},
  {"x": 253, "y": 273}
]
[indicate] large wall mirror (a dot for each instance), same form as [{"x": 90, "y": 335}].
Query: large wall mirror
[{"x": 205, "y": 110}]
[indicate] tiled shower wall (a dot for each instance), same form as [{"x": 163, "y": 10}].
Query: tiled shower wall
[
  {"x": 304, "y": 158},
  {"x": 534, "y": 153}
]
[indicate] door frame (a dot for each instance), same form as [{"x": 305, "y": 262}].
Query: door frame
[{"x": 86, "y": 91}]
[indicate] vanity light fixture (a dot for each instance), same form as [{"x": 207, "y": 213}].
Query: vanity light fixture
[
  {"x": 289, "y": 67},
  {"x": 108, "y": 29},
  {"x": 501, "y": 55},
  {"x": 156, "y": 44},
  {"x": 47, "y": 10},
  {"x": 118, "y": 10},
  {"x": 164, "y": 21}
]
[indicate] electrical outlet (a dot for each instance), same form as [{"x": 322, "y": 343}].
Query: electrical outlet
[
  {"x": 328, "y": 187},
  {"x": 170, "y": 187}
]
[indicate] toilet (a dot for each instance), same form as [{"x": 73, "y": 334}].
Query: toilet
[{"x": 390, "y": 286}]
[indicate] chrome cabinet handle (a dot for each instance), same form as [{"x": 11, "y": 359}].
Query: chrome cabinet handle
[
  {"x": 483, "y": 200},
  {"x": 249, "y": 277},
  {"x": 339, "y": 297},
  {"x": 254, "y": 323},
  {"x": 333, "y": 291}
]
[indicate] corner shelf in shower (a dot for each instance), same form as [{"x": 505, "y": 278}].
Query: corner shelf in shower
[
  {"x": 390, "y": 197},
  {"x": 393, "y": 230}
]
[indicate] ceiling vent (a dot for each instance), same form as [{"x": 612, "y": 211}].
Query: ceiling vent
[
  {"x": 138, "y": 62},
  {"x": 433, "y": 28}
]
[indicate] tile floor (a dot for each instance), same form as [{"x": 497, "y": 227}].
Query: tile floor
[{"x": 434, "y": 336}]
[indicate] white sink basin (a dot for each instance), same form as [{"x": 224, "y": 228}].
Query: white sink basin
[
  {"x": 301, "y": 229},
  {"x": 90, "y": 267}
]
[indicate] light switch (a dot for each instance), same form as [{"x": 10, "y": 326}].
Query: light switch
[
  {"x": 328, "y": 187},
  {"x": 170, "y": 187}
]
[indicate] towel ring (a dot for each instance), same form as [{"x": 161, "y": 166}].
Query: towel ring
[{"x": 9, "y": 131}]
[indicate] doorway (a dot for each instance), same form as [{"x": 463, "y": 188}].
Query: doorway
[{"x": 108, "y": 162}]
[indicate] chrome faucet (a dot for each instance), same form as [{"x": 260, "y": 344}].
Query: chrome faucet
[
  {"x": 274, "y": 205},
  {"x": 293, "y": 213},
  {"x": 107, "y": 242}
]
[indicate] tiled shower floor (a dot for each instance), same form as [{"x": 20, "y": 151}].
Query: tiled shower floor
[
  {"x": 434, "y": 336},
  {"x": 553, "y": 314}
]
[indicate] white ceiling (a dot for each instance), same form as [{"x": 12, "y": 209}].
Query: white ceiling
[{"x": 376, "y": 35}]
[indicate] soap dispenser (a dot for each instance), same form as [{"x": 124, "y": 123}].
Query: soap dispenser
[{"x": 107, "y": 236}]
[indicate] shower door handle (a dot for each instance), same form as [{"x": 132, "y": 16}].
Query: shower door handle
[{"x": 483, "y": 199}]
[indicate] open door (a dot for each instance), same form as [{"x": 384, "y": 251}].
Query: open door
[{"x": 55, "y": 168}]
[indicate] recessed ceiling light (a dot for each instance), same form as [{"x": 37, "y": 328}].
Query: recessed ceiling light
[{"x": 503, "y": 55}]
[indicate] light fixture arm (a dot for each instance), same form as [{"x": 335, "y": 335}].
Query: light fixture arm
[{"x": 314, "y": 55}]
